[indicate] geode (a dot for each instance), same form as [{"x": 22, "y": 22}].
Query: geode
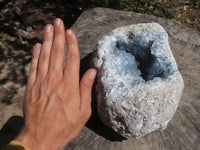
[{"x": 138, "y": 84}]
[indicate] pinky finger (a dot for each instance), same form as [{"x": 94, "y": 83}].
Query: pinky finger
[{"x": 34, "y": 62}]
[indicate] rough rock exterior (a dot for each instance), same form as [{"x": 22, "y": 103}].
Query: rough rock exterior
[{"x": 139, "y": 85}]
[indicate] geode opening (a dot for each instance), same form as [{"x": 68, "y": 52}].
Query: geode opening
[
  {"x": 138, "y": 82},
  {"x": 140, "y": 47}
]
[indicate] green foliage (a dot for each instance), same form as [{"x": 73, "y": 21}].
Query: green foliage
[{"x": 5, "y": 35}]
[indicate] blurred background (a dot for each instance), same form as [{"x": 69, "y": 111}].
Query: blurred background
[{"x": 186, "y": 12}]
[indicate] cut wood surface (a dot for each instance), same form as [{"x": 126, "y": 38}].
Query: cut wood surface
[{"x": 183, "y": 131}]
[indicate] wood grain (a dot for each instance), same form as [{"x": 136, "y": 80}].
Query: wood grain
[{"x": 183, "y": 131}]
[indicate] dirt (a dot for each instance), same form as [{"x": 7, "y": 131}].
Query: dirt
[{"x": 22, "y": 24}]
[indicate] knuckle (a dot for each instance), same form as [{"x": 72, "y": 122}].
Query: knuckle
[
  {"x": 35, "y": 56},
  {"x": 85, "y": 85},
  {"x": 57, "y": 49},
  {"x": 33, "y": 68},
  {"x": 34, "y": 61},
  {"x": 47, "y": 38},
  {"x": 71, "y": 54},
  {"x": 58, "y": 97}
]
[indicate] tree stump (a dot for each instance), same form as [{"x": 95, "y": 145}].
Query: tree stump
[{"x": 183, "y": 131}]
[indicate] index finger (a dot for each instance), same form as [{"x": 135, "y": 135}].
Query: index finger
[{"x": 72, "y": 65}]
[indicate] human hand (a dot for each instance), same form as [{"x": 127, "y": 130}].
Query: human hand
[{"x": 56, "y": 105}]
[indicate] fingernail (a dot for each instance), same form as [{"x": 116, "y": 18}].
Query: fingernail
[
  {"x": 92, "y": 74},
  {"x": 48, "y": 28},
  {"x": 37, "y": 47},
  {"x": 57, "y": 22},
  {"x": 69, "y": 32}
]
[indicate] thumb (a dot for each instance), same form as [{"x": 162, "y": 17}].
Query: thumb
[{"x": 86, "y": 88}]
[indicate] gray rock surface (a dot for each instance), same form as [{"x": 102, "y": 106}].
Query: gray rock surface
[{"x": 139, "y": 85}]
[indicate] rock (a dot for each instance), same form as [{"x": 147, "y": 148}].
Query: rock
[
  {"x": 182, "y": 131},
  {"x": 139, "y": 85}
]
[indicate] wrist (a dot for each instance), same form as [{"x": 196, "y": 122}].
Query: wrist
[
  {"x": 26, "y": 139},
  {"x": 32, "y": 141}
]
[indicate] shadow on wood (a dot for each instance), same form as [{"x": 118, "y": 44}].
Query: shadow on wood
[
  {"x": 10, "y": 130},
  {"x": 95, "y": 122}
]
